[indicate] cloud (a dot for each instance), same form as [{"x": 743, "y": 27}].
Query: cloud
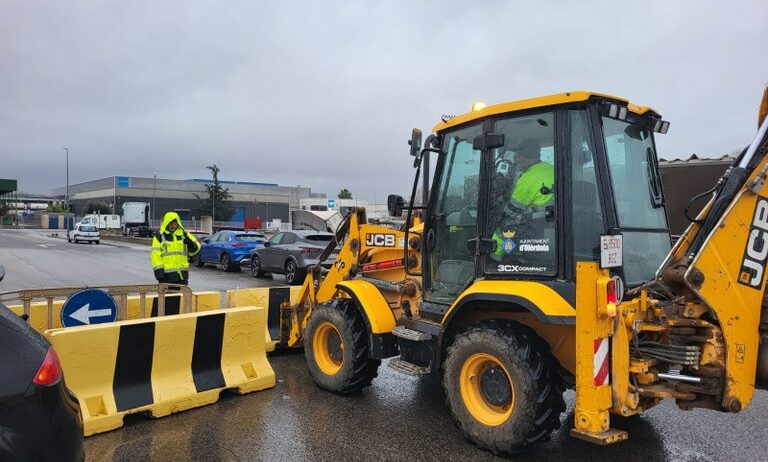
[{"x": 324, "y": 94}]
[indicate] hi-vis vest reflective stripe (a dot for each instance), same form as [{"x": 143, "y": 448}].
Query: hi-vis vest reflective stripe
[{"x": 170, "y": 255}]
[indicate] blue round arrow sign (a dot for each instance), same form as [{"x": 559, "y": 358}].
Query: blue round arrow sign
[{"x": 89, "y": 306}]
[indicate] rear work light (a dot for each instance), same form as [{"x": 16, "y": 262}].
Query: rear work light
[
  {"x": 611, "y": 291},
  {"x": 50, "y": 370},
  {"x": 614, "y": 292}
]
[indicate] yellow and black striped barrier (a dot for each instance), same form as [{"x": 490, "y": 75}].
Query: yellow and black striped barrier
[
  {"x": 269, "y": 297},
  {"x": 162, "y": 365}
]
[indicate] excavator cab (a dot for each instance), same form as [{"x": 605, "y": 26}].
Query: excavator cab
[{"x": 525, "y": 190}]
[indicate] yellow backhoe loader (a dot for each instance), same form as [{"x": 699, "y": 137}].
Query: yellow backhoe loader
[{"x": 540, "y": 259}]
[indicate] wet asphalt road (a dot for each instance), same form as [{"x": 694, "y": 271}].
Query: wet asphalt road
[{"x": 397, "y": 418}]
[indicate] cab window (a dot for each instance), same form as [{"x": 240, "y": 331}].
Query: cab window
[
  {"x": 586, "y": 210},
  {"x": 522, "y": 201}
]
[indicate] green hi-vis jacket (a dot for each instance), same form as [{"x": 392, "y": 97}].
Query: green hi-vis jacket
[
  {"x": 527, "y": 194},
  {"x": 527, "y": 189},
  {"x": 171, "y": 251}
]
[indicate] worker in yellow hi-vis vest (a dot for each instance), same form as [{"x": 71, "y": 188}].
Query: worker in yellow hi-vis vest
[
  {"x": 532, "y": 191},
  {"x": 171, "y": 249}
]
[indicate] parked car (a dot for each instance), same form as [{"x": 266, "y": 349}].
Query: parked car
[
  {"x": 229, "y": 249},
  {"x": 84, "y": 232},
  {"x": 201, "y": 236},
  {"x": 291, "y": 253},
  {"x": 39, "y": 417}
]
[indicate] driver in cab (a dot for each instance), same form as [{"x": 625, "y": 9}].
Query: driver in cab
[{"x": 532, "y": 183}]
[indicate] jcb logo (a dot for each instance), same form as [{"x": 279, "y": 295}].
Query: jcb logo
[
  {"x": 756, "y": 252},
  {"x": 380, "y": 240}
]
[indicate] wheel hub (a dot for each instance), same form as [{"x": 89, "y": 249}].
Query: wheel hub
[
  {"x": 495, "y": 387},
  {"x": 334, "y": 347}
]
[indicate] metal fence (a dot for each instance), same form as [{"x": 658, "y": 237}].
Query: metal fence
[{"x": 27, "y": 297}]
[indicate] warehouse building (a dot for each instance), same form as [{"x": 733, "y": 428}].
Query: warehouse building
[
  {"x": 683, "y": 179},
  {"x": 267, "y": 201}
]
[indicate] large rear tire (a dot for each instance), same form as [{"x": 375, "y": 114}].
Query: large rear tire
[
  {"x": 336, "y": 348},
  {"x": 503, "y": 387}
]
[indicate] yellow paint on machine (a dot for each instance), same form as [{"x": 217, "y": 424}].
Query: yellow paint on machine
[
  {"x": 376, "y": 308},
  {"x": 737, "y": 304},
  {"x": 550, "y": 303},
  {"x": 88, "y": 355},
  {"x": 533, "y": 103}
]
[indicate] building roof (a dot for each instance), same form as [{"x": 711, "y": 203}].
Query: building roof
[
  {"x": 532, "y": 103},
  {"x": 694, "y": 159}
]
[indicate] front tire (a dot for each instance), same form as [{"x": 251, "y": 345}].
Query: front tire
[
  {"x": 293, "y": 274},
  {"x": 336, "y": 348},
  {"x": 503, "y": 387}
]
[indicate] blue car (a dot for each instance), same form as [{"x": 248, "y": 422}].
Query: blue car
[{"x": 228, "y": 249}]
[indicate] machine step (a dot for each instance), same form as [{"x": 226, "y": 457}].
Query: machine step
[
  {"x": 410, "y": 334},
  {"x": 407, "y": 368}
]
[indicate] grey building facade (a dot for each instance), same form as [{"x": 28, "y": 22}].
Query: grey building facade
[{"x": 266, "y": 201}]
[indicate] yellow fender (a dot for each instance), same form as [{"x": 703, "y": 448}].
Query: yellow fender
[
  {"x": 378, "y": 316},
  {"x": 541, "y": 300}
]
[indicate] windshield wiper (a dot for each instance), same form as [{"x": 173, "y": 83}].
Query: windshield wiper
[{"x": 654, "y": 180}]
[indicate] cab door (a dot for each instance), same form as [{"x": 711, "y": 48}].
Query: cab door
[
  {"x": 523, "y": 196},
  {"x": 452, "y": 222}
]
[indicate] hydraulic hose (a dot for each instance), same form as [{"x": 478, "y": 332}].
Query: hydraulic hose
[{"x": 714, "y": 188}]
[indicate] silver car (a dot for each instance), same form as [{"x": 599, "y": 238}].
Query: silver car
[{"x": 291, "y": 253}]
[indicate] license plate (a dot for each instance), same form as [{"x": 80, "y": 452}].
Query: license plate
[{"x": 611, "y": 251}]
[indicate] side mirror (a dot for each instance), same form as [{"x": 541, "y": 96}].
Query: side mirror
[
  {"x": 2, "y": 273},
  {"x": 415, "y": 142},
  {"x": 395, "y": 205},
  {"x": 267, "y": 244}
]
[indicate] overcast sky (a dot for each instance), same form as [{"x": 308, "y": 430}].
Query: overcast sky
[{"x": 324, "y": 94}]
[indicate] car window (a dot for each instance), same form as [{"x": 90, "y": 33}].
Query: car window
[
  {"x": 213, "y": 237},
  {"x": 289, "y": 238},
  {"x": 277, "y": 238},
  {"x": 88, "y": 229},
  {"x": 224, "y": 237},
  {"x": 319, "y": 238},
  {"x": 250, "y": 237}
]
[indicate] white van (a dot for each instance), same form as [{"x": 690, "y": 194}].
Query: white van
[{"x": 84, "y": 232}]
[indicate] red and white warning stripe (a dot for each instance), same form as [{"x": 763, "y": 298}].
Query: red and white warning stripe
[{"x": 600, "y": 369}]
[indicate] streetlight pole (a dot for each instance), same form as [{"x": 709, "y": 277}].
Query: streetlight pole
[
  {"x": 66, "y": 202},
  {"x": 154, "y": 200}
]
